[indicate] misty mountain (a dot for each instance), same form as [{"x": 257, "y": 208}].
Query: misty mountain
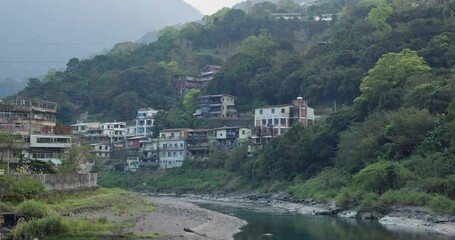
[
  {"x": 38, "y": 35},
  {"x": 244, "y": 5}
]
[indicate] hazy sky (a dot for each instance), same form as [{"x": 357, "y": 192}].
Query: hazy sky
[{"x": 208, "y": 7}]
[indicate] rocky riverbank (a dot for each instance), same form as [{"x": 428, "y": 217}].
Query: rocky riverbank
[
  {"x": 397, "y": 217},
  {"x": 173, "y": 220}
]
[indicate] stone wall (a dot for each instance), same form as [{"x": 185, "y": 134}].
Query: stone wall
[{"x": 65, "y": 182}]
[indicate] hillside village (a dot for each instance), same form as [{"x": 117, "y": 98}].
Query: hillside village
[{"x": 131, "y": 145}]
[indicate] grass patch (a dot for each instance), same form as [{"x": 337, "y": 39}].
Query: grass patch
[
  {"x": 119, "y": 201},
  {"x": 178, "y": 180},
  {"x": 33, "y": 209}
]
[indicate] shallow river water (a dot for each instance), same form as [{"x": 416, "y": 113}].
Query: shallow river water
[{"x": 265, "y": 222}]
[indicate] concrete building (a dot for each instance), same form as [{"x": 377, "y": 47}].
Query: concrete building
[
  {"x": 272, "y": 121},
  {"x": 81, "y": 128},
  {"x": 172, "y": 147},
  {"x": 34, "y": 122},
  {"x": 149, "y": 157},
  {"x": 25, "y": 116},
  {"x": 229, "y": 137},
  {"x": 101, "y": 150},
  {"x": 145, "y": 121},
  {"x": 198, "y": 144},
  {"x": 220, "y": 105}
]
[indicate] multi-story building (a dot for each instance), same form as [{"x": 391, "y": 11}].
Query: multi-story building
[
  {"x": 149, "y": 156},
  {"x": 272, "y": 121},
  {"x": 185, "y": 83},
  {"x": 172, "y": 147},
  {"x": 229, "y": 137},
  {"x": 208, "y": 73},
  {"x": 101, "y": 150},
  {"x": 27, "y": 116},
  {"x": 47, "y": 147},
  {"x": 220, "y": 105},
  {"x": 145, "y": 121},
  {"x": 35, "y": 121},
  {"x": 81, "y": 128},
  {"x": 198, "y": 144},
  {"x": 133, "y": 147}
]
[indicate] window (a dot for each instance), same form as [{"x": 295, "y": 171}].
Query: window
[
  {"x": 106, "y": 147},
  {"x": 283, "y": 121},
  {"x": 273, "y": 110},
  {"x": 275, "y": 121},
  {"x": 100, "y": 147},
  {"x": 44, "y": 140},
  {"x": 260, "y": 111},
  {"x": 283, "y": 110},
  {"x": 269, "y": 121},
  {"x": 264, "y": 122}
]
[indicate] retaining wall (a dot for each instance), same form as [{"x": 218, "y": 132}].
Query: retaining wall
[{"x": 65, "y": 182}]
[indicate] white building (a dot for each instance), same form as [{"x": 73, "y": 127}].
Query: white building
[
  {"x": 172, "y": 147},
  {"x": 101, "y": 150},
  {"x": 81, "y": 128},
  {"x": 145, "y": 121},
  {"x": 48, "y": 148},
  {"x": 272, "y": 121}
]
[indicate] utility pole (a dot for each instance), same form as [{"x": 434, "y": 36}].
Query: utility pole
[{"x": 7, "y": 169}]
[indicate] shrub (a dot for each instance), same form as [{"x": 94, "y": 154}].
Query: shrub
[
  {"x": 6, "y": 187},
  {"x": 29, "y": 188},
  {"x": 349, "y": 197},
  {"x": 325, "y": 185},
  {"x": 433, "y": 165},
  {"x": 33, "y": 209},
  {"x": 402, "y": 197},
  {"x": 381, "y": 176},
  {"x": 38, "y": 228},
  {"x": 442, "y": 204}
]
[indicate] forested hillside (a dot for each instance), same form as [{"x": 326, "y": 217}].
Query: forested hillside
[{"x": 389, "y": 66}]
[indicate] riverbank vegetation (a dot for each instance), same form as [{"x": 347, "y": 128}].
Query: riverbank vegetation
[
  {"x": 380, "y": 73},
  {"x": 55, "y": 215}
]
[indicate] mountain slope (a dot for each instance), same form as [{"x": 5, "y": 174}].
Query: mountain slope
[{"x": 42, "y": 34}]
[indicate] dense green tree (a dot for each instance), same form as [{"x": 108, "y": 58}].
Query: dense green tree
[
  {"x": 383, "y": 87},
  {"x": 190, "y": 100}
]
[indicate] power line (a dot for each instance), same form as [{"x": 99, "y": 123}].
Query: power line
[
  {"x": 55, "y": 43},
  {"x": 28, "y": 62}
]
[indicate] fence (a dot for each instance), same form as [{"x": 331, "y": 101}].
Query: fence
[{"x": 65, "y": 182}]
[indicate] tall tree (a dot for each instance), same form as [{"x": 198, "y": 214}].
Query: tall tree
[{"x": 383, "y": 87}]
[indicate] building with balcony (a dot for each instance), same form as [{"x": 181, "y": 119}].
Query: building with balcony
[
  {"x": 149, "y": 157},
  {"x": 47, "y": 147},
  {"x": 183, "y": 84},
  {"x": 25, "y": 116},
  {"x": 272, "y": 121},
  {"x": 229, "y": 137},
  {"x": 144, "y": 122},
  {"x": 172, "y": 147},
  {"x": 81, "y": 128},
  {"x": 220, "y": 105},
  {"x": 34, "y": 122},
  {"x": 101, "y": 150},
  {"x": 198, "y": 144}
]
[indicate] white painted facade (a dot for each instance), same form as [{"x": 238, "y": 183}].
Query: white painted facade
[{"x": 172, "y": 147}]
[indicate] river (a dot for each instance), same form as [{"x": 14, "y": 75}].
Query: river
[{"x": 266, "y": 222}]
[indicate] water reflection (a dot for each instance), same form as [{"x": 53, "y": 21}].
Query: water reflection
[{"x": 265, "y": 222}]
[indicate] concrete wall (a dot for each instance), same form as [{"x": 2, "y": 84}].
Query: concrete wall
[{"x": 65, "y": 182}]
